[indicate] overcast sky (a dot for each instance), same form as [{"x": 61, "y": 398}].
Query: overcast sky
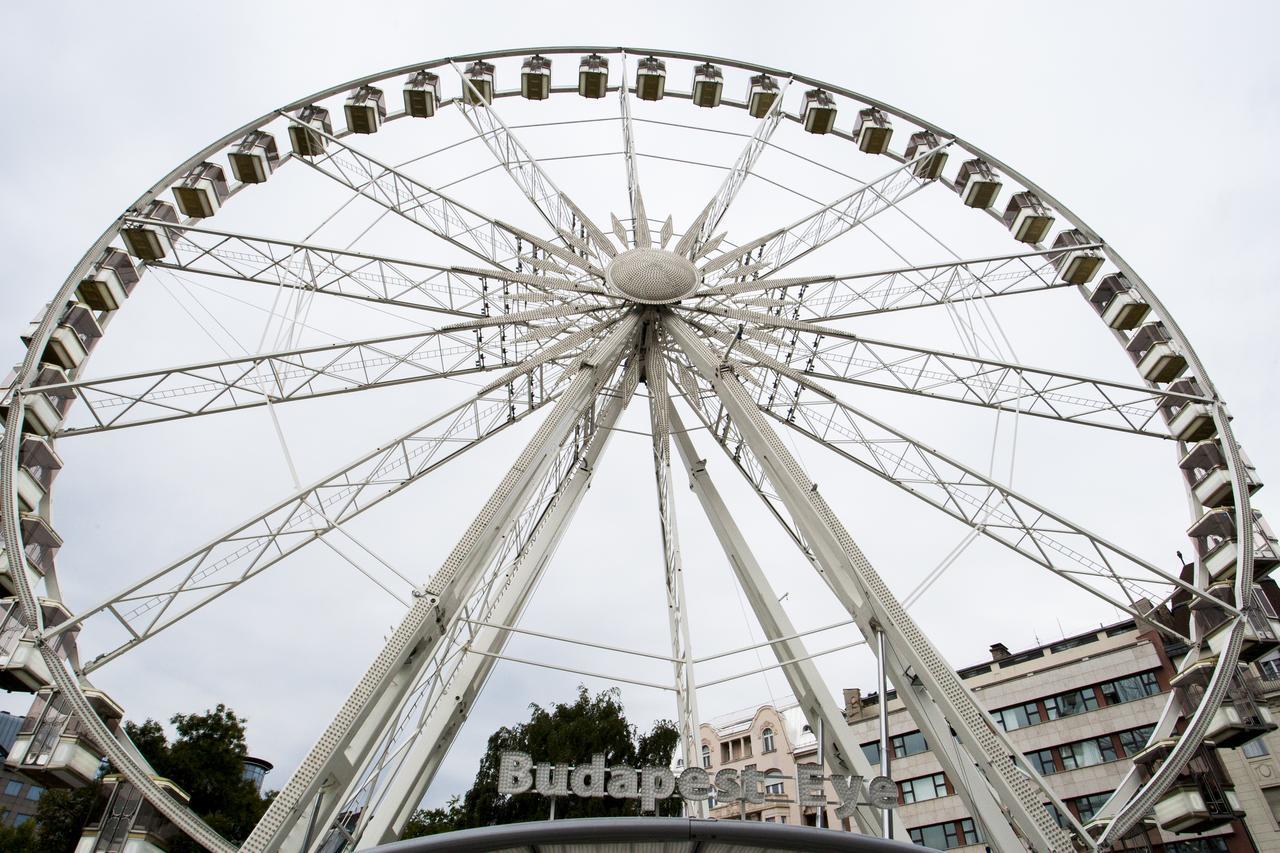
[{"x": 1152, "y": 121}]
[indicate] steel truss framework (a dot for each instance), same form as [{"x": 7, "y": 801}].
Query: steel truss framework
[{"x": 538, "y": 320}]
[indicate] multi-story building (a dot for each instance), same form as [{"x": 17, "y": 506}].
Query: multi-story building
[
  {"x": 19, "y": 794},
  {"x": 1081, "y": 710}
]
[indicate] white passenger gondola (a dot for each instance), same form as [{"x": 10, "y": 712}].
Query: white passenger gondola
[
  {"x": 365, "y": 110},
  {"x": 422, "y": 94},
  {"x": 762, "y": 91},
  {"x": 255, "y": 158},
  {"x": 22, "y": 667},
  {"x": 1076, "y": 265},
  {"x": 109, "y": 282},
  {"x": 307, "y": 134},
  {"x": 1205, "y": 467},
  {"x": 1215, "y": 533},
  {"x": 819, "y": 111},
  {"x": 1120, "y": 305},
  {"x": 1244, "y": 714},
  {"x": 1201, "y": 799},
  {"x": 40, "y": 544},
  {"x": 872, "y": 131},
  {"x": 43, "y": 411},
  {"x": 1189, "y": 420},
  {"x": 535, "y": 78},
  {"x": 53, "y": 746},
  {"x": 921, "y": 143},
  {"x": 1027, "y": 217},
  {"x": 651, "y": 79},
  {"x": 202, "y": 192},
  {"x": 72, "y": 339},
  {"x": 593, "y": 76},
  {"x": 1156, "y": 357},
  {"x": 1261, "y": 633},
  {"x": 150, "y": 242},
  {"x": 977, "y": 184},
  {"x": 480, "y": 76},
  {"x": 38, "y": 466},
  {"x": 708, "y": 85},
  {"x": 121, "y": 812}
]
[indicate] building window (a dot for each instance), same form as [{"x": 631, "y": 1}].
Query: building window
[
  {"x": 1255, "y": 748},
  {"x": 20, "y": 819},
  {"x": 1086, "y": 753},
  {"x": 1134, "y": 740},
  {"x": 706, "y": 756},
  {"x": 1071, "y": 703},
  {"x": 1270, "y": 669},
  {"x": 774, "y": 788},
  {"x": 1273, "y": 800},
  {"x": 1018, "y": 717},
  {"x": 944, "y": 836},
  {"x": 912, "y": 743},
  {"x": 34, "y": 792},
  {"x": 872, "y": 752},
  {"x": 1088, "y": 806},
  {"x": 726, "y": 753},
  {"x": 1042, "y": 761},
  {"x": 1130, "y": 689},
  {"x": 1196, "y": 845},
  {"x": 923, "y": 788},
  {"x": 766, "y": 740},
  {"x": 13, "y": 788}
]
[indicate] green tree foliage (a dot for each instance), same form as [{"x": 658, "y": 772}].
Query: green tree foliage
[
  {"x": 19, "y": 839},
  {"x": 563, "y": 734},
  {"x": 61, "y": 816}
]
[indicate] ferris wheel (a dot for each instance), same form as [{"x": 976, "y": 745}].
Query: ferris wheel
[{"x": 560, "y": 310}]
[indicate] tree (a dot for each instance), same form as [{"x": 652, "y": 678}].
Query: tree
[
  {"x": 61, "y": 816},
  {"x": 434, "y": 821},
  {"x": 564, "y": 734}
]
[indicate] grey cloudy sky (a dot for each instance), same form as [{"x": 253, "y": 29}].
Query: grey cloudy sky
[{"x": 1153, "y": 121}]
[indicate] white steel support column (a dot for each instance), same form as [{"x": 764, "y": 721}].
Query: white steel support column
[
  {"x": 842, "y": 752},
  {"x": 401, "y": 795},
  {"x": 681, "y": 650},
  {"x": 934, "y": 695},
  {"x": 353, "y": 734}
]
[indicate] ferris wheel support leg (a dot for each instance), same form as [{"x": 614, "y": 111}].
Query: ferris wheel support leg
[
  {"x": 931, "y": 691},
  {"x": 843, "y": 753},
  {"x": 681, "y": 649},
  {"x": 333, "y": 760},
  {"x": 410, "y": 782}
]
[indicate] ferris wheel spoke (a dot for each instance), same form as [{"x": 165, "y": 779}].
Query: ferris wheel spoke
[
  {"x": 699, "y": 233},
  {"x": 932, "y": 693},
  {"x": 395, "y": 777},
  {"x": 774, "y": 251},
  {"x": 835, "y": 297},
  {"x": 830, "y": 354},
  {"x": 154, "y": 396},
  {"x": 641, "y": 236},
  {"x": 1049, "y": 540},
  {"x": 158, "y": 601},
  {"x": 344, "y": 273},
  {"x": 564, "y": 216}
]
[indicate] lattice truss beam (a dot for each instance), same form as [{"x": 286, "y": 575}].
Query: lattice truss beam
[
  {"x": 827, "y": 353},
  {"x": 1046, "y": 538}
]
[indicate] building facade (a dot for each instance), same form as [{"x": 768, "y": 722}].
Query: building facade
[
  {"x": 19, "y": 794},
  {"x": 1081, "y": 709}
]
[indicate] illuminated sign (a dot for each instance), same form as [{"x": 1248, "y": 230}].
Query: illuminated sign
[{"x": 518, "y": 774}]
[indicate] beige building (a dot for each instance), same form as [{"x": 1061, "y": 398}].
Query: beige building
[{"x": 1080, "y": 709}]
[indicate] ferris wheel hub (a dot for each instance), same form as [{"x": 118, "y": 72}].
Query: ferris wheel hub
[{"x": 652, "y": 276}]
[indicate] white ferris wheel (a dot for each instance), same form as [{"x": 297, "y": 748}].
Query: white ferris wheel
[{"x": 748, "y": 321}]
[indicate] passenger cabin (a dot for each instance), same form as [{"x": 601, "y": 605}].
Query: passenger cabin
[
  {"x": 872, "y": 131},
  {"x": 53, "y": 746},
  {"x": 762, "y": 91},
  {"x": 819, "y": 111},
  {"x": 535, "y": 78},
  {"x": 1027, "y": 217},
  {"x": 308, "y": 133},
  {"x": 124, "y": 821},
  {"x": 150, "y": 242},
  {"x": 43, "y": 411},
  {"x": 366, "y": 109},
  {"x": 202, "y": 192},
  {"x": 929, "y": 168},
  {"x": 1243, "y": 714},
  {"x": 1216, "y": 536},
  {"x": 109, "y": 282},
  {"x": 1189, "y": 420},
  {"x": 1156, "y": 357},
  {"x": 479, "y": 75},
  {"x": 1120, "y": 306},
  {"x": 22, "y": 666},
  {"x": 254, "y": 158},
  {"x": 422, "y": 95},
  {"x": 1076, "y": 265},
  {"x": 651, "y": 79},
  {"x": 72, "y": 339},
  {"x": 593, "y": 76},
  {"x": 38, "y": 466},
  {"x": 1261, "y": 626},
  {"x": 1201, "y": 799},
  {"x": 1205, "y": 467},
  {"x": 977, "y": 184},
  {"x": 708, "y": 85}
]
